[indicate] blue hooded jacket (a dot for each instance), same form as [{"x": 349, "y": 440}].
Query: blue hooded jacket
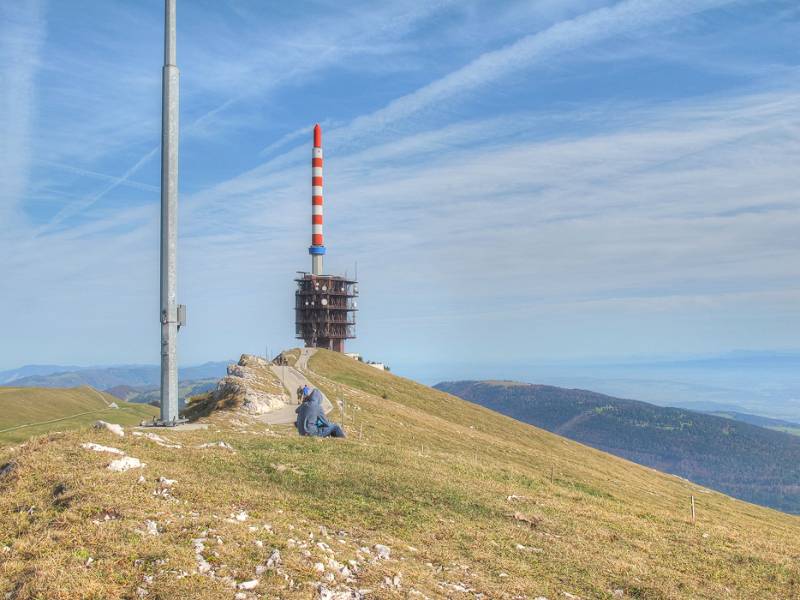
[{"x": 310, "y": 416}]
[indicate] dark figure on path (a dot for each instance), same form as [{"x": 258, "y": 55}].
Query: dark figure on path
[
  {"x": 311, "y": 418},
  {"x": 299, "y": 393}
]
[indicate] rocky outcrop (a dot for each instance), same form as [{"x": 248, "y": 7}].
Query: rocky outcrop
[{"x": 253, "y": 383}]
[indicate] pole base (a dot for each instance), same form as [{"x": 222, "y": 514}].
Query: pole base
[{"x": 160, "y": 423}]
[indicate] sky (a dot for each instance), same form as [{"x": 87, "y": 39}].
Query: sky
[{"x": 552, "y": 180}]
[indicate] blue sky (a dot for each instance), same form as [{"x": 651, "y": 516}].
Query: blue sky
[{"x": 551, "y": 180}]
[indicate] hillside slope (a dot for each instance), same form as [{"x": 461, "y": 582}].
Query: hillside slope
[
  {"x": 429, "y": 496},
  {"x": 25, "y": 411},
  {"x": 749, "y": 462}
]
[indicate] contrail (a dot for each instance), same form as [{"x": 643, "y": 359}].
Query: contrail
[{"x": 73, "y": 209}]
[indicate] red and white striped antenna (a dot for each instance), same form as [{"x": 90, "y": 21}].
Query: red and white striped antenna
[{"x": 317, "y": 248}]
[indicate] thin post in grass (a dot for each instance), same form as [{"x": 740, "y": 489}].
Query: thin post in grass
[{"x": 693, "y": 511}]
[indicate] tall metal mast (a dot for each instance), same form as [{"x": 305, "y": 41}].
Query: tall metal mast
[{"x": 170, "y": 321}]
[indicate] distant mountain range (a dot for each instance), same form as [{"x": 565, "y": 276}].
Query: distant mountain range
[
  {"x": 6, "y": 377},
  {"x": 103, "y": 378},
  {"x": 736, "y": 457}
]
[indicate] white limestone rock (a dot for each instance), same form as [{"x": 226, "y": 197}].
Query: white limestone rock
[
  {"x": 100, "y": 448},
  {"x": 125, "y": 464},
  {"x": 112, "y": 427}
]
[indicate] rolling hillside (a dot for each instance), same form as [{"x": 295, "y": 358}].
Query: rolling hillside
[
  {"x": 744, "y": 460},
  {"x": 25, "y": 412},
  {"x": 429, "y": 497}
]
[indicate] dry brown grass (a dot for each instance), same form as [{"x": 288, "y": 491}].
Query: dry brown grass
[{"x": 422, "y": 472}]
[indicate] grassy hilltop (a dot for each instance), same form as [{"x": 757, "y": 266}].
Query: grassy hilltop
[
  {"x": 430, "y": 496},
  {"x": 26, "y": 412}
]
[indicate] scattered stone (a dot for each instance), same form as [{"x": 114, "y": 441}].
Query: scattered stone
[
  {"x": 324, "y": 547},
  {"x": 166, "y": 482},
  {"x": 112, "y": 427},
  {"x": 569, "y": 596},
  {"x": 393, "y": 582},
  {"x": 202, "y": 565},
  {"x": 456, "y": 587},
  {"x": 522, "y": 548},
  {"x": 274, "y": 559},
  {"x": 125, "y": 463},
  {"x": 242, "y": 516},
  {"x": 248, "y": 585},
  {"x": 152, "y": 527},
  {"x": 532, "y": 521},
  {"x": 618, "y": 593},
  {"x": 99, "y": 448},
  {"x": 515, "y": 498},
  {"x": 326, "y": 594},
  {"x": 154, "y": 437},
  {"x": 141, "y": 479},
  {"x": 113, "y": 405},
  {"x": 217, "y": 445},
  {"x": 383, "y": 551}
]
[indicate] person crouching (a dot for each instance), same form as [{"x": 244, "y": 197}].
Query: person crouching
[{"x": 311, "y": 418}]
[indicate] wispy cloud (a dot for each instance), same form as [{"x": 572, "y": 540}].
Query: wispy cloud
[
  {"x": 603, "y": 220},
  {"x": 601, "y": 24},
  {"x": 22, "y": 32},
  {"x": 286, "y": 60}
]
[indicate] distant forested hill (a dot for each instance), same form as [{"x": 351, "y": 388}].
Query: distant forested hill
[
  {"x": 746, "y": 461},
  {"x": 103, "y": 378}
]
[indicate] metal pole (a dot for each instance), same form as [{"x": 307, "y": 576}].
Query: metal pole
[{"x": 169, "y": 221}]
